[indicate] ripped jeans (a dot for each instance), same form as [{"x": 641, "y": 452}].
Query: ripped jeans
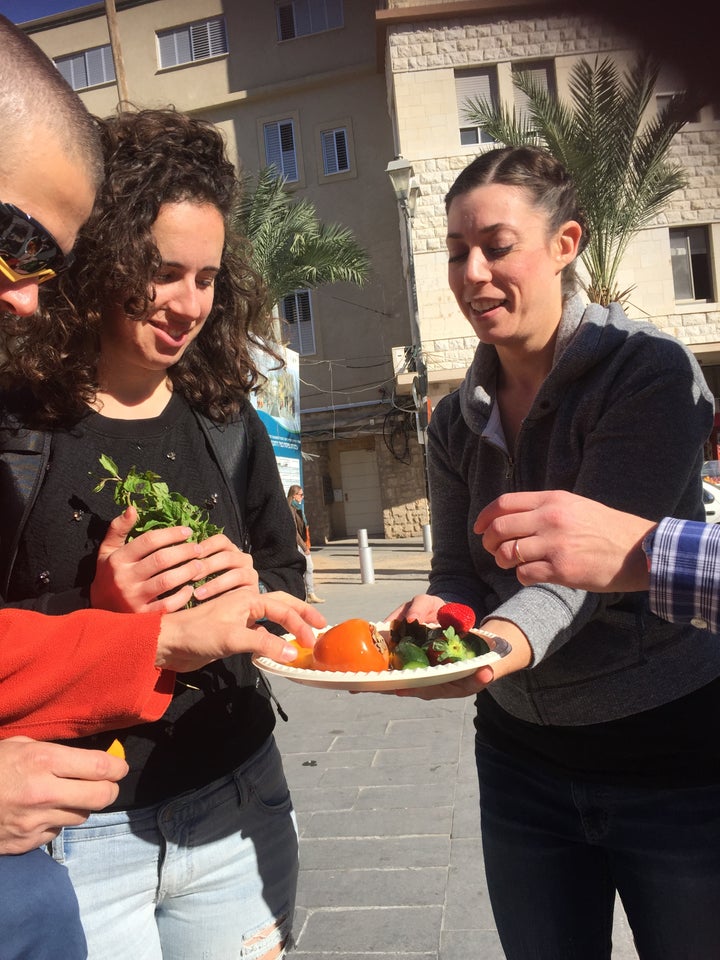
[{"x": 211, "y": 873}]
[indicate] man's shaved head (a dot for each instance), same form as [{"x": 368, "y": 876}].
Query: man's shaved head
[{"x": 36, "y": 102}]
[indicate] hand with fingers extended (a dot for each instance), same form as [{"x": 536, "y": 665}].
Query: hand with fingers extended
[
  {"x": 552, "y": 536},
  {"x": 231, "y": 624},
  {"x": 156, "y": 571},
  {"x": 47, "y": 786}
]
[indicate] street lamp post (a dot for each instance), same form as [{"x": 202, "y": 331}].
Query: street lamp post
[{"x": 407, "y": 190}]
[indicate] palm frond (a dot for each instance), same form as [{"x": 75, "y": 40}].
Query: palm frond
[
  {"x": 291, "y": 247},
  {"x": 617, "y": 157}
]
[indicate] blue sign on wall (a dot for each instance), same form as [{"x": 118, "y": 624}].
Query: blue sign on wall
[{"x": 278, "y": 404}]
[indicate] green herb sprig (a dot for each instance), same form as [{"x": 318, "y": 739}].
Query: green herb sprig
[{"x": 156, "y": 505}]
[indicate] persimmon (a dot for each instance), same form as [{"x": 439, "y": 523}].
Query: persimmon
[
  {"x": 352, "y": 646},
  {"x": 304, "y": 658}
]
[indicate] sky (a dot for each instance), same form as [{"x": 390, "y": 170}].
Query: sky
[{"x": 19, "y": 11}]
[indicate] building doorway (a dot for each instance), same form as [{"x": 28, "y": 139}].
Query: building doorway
[{"x": 362, "y": 500}]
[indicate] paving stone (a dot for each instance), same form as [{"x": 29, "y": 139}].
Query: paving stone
[
  {"x": 387, "y": 774},
  {"x": 412, "y": 822},
  {"x": 402, "y": 930},
  {"x": 313, "y": 800},
  {"x": 371, "y": 887},
  {"x": 405, "y": 795},
  {"x": 466, "y": 945},
  {"x": 323, "y": 853}
]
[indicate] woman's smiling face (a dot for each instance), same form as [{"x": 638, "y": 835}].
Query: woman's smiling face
[
  {"x": 190, "y": 238},
  {"x": 504, "y": 265}
]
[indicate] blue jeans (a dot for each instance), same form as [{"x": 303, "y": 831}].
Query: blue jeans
[
  {"x": 210, "y": 874},
  {"x": 39, "y": 918},
  {"x": 556, "y": 851}
]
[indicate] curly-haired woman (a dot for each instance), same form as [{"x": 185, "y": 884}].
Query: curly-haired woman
[{"x": 145, "y": 353}]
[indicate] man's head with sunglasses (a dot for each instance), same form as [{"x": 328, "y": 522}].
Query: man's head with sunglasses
[{"x": 50, "y": 169}]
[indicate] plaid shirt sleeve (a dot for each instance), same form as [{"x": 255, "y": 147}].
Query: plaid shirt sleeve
[{"x": 684, "y": 560}]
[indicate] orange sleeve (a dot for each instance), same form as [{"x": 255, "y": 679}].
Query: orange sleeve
[{"x": 82, "y": 673}]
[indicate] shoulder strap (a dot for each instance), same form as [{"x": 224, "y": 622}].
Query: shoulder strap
[{"x": 229, "y": 440}]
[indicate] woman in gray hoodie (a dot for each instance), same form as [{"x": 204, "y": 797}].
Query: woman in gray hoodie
[{"x": 598, "y": 739}]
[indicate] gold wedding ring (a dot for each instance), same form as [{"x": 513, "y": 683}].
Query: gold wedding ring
[{"x": 518, "y": 556}]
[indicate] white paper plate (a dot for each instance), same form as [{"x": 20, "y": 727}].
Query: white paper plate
[{"x": 386, "y": 679}]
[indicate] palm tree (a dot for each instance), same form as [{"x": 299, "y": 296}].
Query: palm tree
[
  {"x": 617, "y": 159},
  {"x": 291, "y": 248}
]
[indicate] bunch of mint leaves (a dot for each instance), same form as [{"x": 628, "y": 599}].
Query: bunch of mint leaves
[{"x": 156, "y": 505}]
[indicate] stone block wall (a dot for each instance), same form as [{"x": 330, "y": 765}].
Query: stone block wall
[{"x": 405, "y": 505}]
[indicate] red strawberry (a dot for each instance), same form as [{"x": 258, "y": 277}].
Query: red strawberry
[{"x": 456, "y": 615}]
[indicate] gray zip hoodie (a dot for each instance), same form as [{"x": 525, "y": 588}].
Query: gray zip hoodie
[{"x": 621, "y": 418}]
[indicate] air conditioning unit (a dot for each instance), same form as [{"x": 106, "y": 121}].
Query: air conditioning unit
[{"x": 402, "y": 360}]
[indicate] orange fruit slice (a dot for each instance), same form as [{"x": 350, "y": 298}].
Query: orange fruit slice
[{"x": 304, "y": 658}]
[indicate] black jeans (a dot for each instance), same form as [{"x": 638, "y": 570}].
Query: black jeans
[{"x": 557, "y": 850}]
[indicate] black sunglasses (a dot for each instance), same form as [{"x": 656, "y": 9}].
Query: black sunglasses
[{"x": 27, "y": 249}]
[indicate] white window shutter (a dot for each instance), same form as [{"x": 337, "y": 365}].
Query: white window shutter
[
  {"x": 200, "y": 41},
  {"x": 472, "y": 85},
  {"x": 287, "y": 147},
  {"x": 335, "y": 151},
  {"x": 303, "y": 18},
  {"x": 273, "y": 154},
  {"x": 218, "y": 36},
  {"x": 64, "y": 65},
  {"x": 542, "y": 75},
  {"x": 334, "y": 13},
  {"x": 296, "y": 309}
]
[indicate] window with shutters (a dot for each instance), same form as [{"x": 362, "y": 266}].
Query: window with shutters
[
  {"x": 691, "y": 264},
  {"x": 88, "y": 68},
  {"x": 473, "y": 85},
  {"x": 194, "y": 41},
  {"x": 542, "y": 73},
  {"x": 298, "y": 18},
  {"x": 671, "y": 83},
  {"x": 280, "y": 152},
  {"x": 663, "y": 101},
  {"x": 296, "y": 311},
  {"x": 335, "y": 153}
]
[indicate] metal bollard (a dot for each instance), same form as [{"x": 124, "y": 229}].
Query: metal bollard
[
  {"x": 367, "y": 574},
  {"x": 427, "y": 537}
]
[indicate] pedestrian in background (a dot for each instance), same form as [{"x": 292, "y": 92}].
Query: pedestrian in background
[{"x": 295, "y": 499}]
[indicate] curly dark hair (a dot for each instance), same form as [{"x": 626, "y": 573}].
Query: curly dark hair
[
  {"x": 544, "y": 179},
  {"x": 152, "y": 157}
]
